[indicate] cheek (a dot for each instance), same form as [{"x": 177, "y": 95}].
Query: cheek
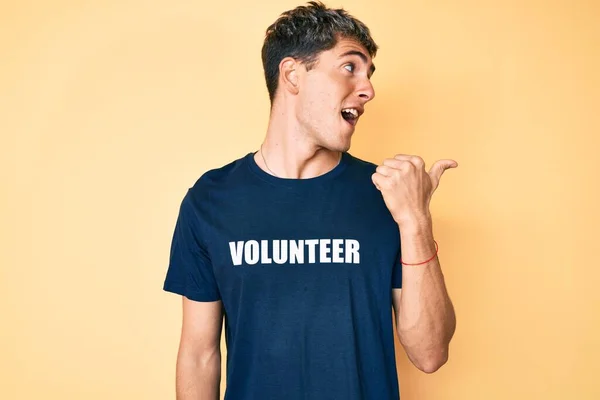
[
  {"x": 320, "y": 101},
  {"x": 325, "y": 100}
]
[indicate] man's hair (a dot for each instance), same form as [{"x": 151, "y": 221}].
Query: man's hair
[{"x": 306, "y": 31}]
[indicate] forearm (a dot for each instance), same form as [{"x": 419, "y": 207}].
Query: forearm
[
  {"x": 199, "y": 378},
  {"x": 425, "y": 319}
]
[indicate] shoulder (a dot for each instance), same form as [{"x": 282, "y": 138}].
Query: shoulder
[
  {"x": 199, "y": 198},
  {"x": 361, "y": 165},
  {"x": 222, "y": 175}
]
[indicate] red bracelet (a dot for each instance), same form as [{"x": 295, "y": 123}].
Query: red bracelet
[{"x": 424, "y": 262}]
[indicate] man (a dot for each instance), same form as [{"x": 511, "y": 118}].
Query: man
[{"x": 300, "y": 246}]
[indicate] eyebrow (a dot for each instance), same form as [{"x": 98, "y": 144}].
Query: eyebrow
[{"x": 361, "y": 55}]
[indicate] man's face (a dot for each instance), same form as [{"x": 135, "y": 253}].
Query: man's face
[{"x": 333, "y": 94}]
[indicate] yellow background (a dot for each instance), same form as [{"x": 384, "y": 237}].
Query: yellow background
[{"x": 109, "y": 112}]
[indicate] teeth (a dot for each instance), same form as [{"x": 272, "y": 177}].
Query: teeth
[{"x": 352, "y": 111}]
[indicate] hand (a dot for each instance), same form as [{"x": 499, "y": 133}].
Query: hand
[{"x": 406, "y": 186}]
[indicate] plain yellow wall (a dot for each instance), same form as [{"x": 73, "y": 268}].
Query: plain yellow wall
[{"x": 109, "y": 112}]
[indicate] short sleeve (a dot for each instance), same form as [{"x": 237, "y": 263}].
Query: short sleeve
[
  {"x": 190, "y": 272},
  {"x": 397, "y": 273}
]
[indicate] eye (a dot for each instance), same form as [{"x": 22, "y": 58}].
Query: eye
[{"x": 349, "y": 67}]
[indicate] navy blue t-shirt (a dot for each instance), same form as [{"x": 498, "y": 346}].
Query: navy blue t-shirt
[{"x": 304, "y": 269}]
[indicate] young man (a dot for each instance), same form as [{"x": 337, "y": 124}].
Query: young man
[{"x": 300, "y": 246}]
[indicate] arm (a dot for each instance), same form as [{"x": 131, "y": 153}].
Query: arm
[
  {"x": 199, "y": 356},
  {"x": 425, "y": 319}
]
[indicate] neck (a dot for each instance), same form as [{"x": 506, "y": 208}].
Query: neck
[{"x": 291, "y": 153}]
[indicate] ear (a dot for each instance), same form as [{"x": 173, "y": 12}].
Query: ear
[{"x": 288, "y": 74}]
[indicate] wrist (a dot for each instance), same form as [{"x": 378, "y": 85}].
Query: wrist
[{"x": 415, "y": 223}]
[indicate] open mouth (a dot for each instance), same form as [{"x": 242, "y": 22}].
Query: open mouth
[{"x": 350, "y": 115}]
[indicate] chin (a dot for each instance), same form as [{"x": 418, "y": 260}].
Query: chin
[
  {"x": 338, "y": 142},
  {"x": 342, "y": 146},
  {"x": 345, "y": 142},
  {"x": 345, "y": 147}
]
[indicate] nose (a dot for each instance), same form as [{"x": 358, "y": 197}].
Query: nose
[{"x": 366, "y": 91}]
